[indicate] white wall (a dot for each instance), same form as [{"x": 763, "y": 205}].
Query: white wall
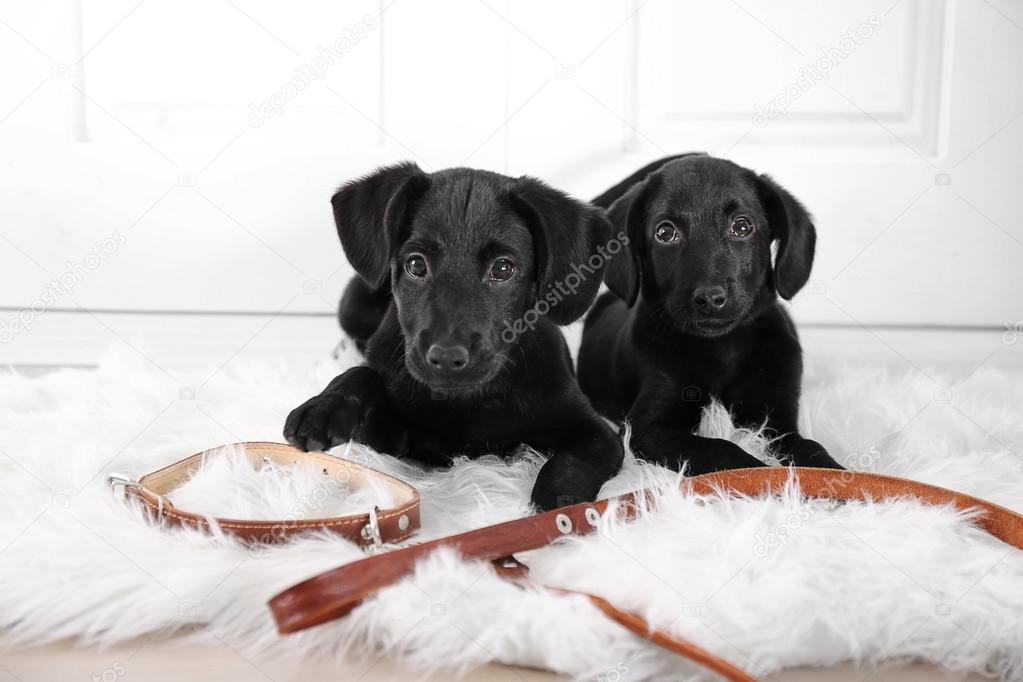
[{"x": 135, "y": 123}]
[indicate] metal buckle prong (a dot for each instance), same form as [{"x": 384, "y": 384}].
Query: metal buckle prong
[{"x": 114, "y": 480}]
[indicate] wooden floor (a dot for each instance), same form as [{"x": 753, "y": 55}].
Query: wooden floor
[{"x": 167, "y": 661}]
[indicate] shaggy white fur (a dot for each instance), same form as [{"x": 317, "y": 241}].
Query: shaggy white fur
[{"x": 767, "y": 583}]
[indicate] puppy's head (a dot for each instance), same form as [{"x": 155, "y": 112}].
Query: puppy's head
[
  {"x": 700, "y": 234},
  {"x": 467, "y": 255}
]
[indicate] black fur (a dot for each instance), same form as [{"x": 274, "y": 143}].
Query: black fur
[
  {"x": 698, "y": 316},
  {"x": 458, "y": 362}
]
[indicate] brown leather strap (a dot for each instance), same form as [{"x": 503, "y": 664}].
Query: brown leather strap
[
  {"x": 637, "y": 625},
  {"x": 1004, "y": 524},
  {"x": 512, "y": 569},
  {"x": 392, "y": 524},
  {"x": 333, "y": 594},
  {"x": 336, "y": 592}
]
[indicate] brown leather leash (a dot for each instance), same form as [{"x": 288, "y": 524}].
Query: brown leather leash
[{"x": 336, "y": 592}]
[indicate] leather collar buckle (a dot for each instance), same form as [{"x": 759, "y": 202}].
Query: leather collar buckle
[
  {"x": 371, "y": 531},
  {"x": 114, "y": 480}
]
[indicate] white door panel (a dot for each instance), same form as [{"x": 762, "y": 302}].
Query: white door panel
[
  {"x": 210, "y": 136},
  {"x": 869, "y": 122}
]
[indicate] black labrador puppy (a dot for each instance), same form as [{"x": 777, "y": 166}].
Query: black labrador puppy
[
  {"x": 464, "y": 276},
  {"x": 693, "y": 312}
]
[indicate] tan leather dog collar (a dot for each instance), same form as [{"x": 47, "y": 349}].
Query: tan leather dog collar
[{"x": 378, "y": 526}]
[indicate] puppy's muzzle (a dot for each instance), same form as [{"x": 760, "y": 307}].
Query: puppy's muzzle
[
  {"x": 710, "y": 300},
  {"x": 452, "y": 358},
  {"x": 452, "y": 363}
]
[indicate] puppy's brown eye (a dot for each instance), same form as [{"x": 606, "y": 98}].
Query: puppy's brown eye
[
  {"x": 666, "y": 232},
  {"x": 742, "y": 227},
  {"x": 415, "y": 266},
  {"x": 502, "y": 270}
]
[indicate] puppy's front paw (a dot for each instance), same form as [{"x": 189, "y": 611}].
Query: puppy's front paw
[
  {"x": 560, "y": 488},
  {"x": 340, "y": 413},
  {"x": 545, "y": 499},
  {"x": 803, "y": 452},
  {"x": 323, "y": 421}
]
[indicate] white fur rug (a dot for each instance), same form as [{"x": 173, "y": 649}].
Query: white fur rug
[{"x": 766, "y": 583}]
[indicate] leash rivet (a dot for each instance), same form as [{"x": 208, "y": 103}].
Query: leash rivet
[
  {"x": 564, "y": 523},
  {"x": 403, "y": 522},
  {"x": 592, "y": 517}
]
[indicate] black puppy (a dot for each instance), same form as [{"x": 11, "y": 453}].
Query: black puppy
[
  {"x": 456, "y": 268},
  {"x": 694, "y": 312}
]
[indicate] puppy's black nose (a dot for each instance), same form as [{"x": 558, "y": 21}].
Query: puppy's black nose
[
  {"x": 710, "y": 299},
  {"x": 448, "y": 358}
]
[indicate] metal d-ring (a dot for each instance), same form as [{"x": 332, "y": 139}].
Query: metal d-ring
[{"x": 371, "y": 531}]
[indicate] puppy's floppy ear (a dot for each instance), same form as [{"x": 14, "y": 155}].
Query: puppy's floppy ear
[
  {"x": 628, "y": 216},
  {"x": 792, "y": 226},
  {"x": 369, "y": 213},
  {"x": 566, "y": 235}
]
